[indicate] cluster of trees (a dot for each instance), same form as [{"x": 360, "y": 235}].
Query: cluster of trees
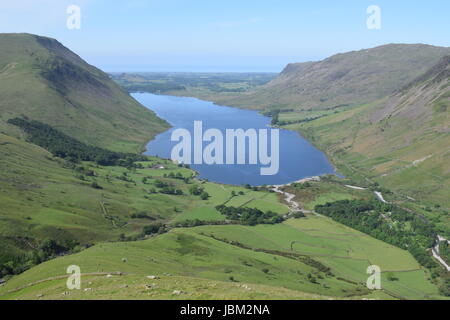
[
  {"x": 156, "y": 228},
  {"x": 286, "y": 122},
  {"x": 385, "y": 222},
  {"x": 142, "y": 215},
  {"x": 301, "y": 186},
  {"x": 171, "y": 190},
  {"x": 298, "y": 215},
  {"x": 178, "y": 176},
  {"x": 249, "y": 216},
  {"x": 199, "y": 191},
  {"x": 46, "y": 250},
  {"x": 167, "y": 188},
  {"x": 125, "y": 177},
  {"x": 444, "y": 289},
  {"x": 235, "y": 194},
  {"x": 275, "y": 114},
  {"x": 63, "y": 146},
  {"x": 444, "y": 251},
  {"x": 275, "y": 118},
  {"x": 255, "y": 188},
  {"x": 197, "y": 222}
]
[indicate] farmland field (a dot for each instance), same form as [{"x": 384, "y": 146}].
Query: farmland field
[{"x": 231, "y": 256}]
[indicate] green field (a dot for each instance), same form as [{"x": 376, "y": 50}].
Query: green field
[
  {"x": 121, "y": 224},
  {"x": 62, "y": 206},
  {"x": 201, "y": 85},
  {"x": 258, "y": 262},
  {"x": 329, "y": 189},
  {"x": 44, "y": 197},
  {"x": 347, "y": 252},
  {"x": 360, "y": 153}
]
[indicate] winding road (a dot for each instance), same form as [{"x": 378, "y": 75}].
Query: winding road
[
  {"x": 289, "y": 197},
  {"x": 434, "y": 250},
  {"x": 436, "y": 254}
]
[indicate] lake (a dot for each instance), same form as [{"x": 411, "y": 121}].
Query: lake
[{"x": 298, "y": 158}]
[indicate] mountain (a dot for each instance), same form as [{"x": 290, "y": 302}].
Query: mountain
[
  {"x": 421, "y": 100},
  {"x": 123, "y": 220},
  {"x": 44, "y": 197},
  {"x": 42, "y": 80},
  {"x": 401, "y": 142},
  {"x": 351, "y": 78}
]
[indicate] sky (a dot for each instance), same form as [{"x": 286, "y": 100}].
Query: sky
[{"x": 227, "y": 35}]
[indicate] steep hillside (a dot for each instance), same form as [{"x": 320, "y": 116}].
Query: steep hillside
[
  {"x": 226, "y": 262},
  {"x": 401, "y": 141},
  {"x": 43, "y": 80},
  {"x": 343, "y": 79}
]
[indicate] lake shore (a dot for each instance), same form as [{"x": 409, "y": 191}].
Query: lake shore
[{"x": 298, "y": 158}]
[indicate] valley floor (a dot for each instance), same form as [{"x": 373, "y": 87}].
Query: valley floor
[
  {"x": 307, "y": 258},
  {"x": 197, "y": 254}
]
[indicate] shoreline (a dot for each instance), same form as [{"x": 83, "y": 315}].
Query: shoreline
[
  {"x": 144, "y": 149},
  {"x": 303, "y": 180}
]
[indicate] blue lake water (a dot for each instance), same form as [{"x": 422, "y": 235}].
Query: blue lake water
[{"x": 298, "y": 158}]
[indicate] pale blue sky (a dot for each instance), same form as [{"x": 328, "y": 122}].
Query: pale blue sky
[{"x": 231, "y": 35}]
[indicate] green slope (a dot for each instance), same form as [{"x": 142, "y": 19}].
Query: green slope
[
  {"x": 400, "y": 142},
  {"x": 56, "y": 203},
  {"x": 344, "y": 79},
  {"x": 70, "y": 203},
  {"x": 45, "y": 197},
  {"x": 42, "y": 196},
  {"x": 238, "y": 261},
  {"x": 43, "y": 80}
]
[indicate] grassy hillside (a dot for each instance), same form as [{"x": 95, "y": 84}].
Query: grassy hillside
[
  {"x": 345, "y": 79},
  {"x": 205, "y": 262},
  {"x": 43, "y": 80},
  {"x": 327, "y": 260},
  {"x": 63, "y": 200},
  {"x": 400, "y": 142},
  {"x": 45, "y": 197},
  {"x": 201, "y": 85},
  {"x": 211, "y": 262},
  {"x": 128, "y": 218},
  {"x": 381, "y": 114}
]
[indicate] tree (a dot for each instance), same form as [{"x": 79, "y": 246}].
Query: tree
[
  {"x": 204, "y": 195},
  {"x": 64, "y": 146},
  {"x": 298, "y": 215},
  {"x": 95, "y": 185},
  {"x": 196, "y": 190},
  {"x": 152, "y": 229}
]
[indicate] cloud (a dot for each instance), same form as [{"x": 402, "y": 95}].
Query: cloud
[{"x": 234, "y": 24}]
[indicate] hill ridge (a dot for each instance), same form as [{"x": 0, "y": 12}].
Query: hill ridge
[
  {"x": 350, "y": 78},
  {"x": 45, "y": 81}
]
